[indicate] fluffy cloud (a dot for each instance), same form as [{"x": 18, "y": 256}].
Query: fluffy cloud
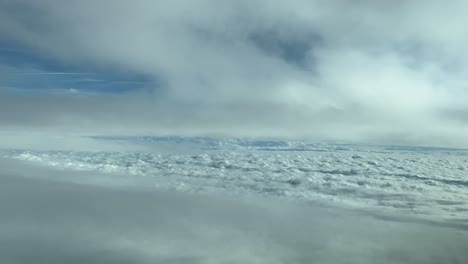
[
  {"x": 56, "y": 221},
  {"x": 379, "y": 71}
]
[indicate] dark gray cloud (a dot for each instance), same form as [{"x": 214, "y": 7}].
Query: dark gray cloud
[{"x": 361, "y": 70}]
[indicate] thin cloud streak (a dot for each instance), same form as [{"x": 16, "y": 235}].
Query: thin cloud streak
[{"x": 55, "y": 73}]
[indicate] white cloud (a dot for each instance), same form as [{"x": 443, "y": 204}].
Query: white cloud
[
  {"x": 381, "y": 71},
  {"x": 56, "y": 221}
]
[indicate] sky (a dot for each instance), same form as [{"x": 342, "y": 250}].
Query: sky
[{"x": 379, "y": 72}]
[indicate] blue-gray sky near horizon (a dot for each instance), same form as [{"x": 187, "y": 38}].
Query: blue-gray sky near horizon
[{"x": 364, "y": 71}]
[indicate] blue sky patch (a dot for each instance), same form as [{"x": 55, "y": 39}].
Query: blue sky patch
[{"x": 25, "y": 70}]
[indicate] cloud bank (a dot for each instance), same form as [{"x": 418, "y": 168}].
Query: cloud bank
[
  {"x": 47, "y": 221},
  {"x": 366, "y": 71}
]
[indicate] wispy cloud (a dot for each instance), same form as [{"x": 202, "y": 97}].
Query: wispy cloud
[{"x": 54, "y": 73}]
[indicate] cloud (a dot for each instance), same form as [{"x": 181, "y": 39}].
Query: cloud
[
  {"x": 55, "y": 73},
  {"x": 50, "y": 221},
  {"x": 379, "y": 71}
]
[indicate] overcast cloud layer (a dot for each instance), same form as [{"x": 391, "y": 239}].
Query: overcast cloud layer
[
  {"x": 368, "y": 71},
  {"x": 54, "y": 221}
]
